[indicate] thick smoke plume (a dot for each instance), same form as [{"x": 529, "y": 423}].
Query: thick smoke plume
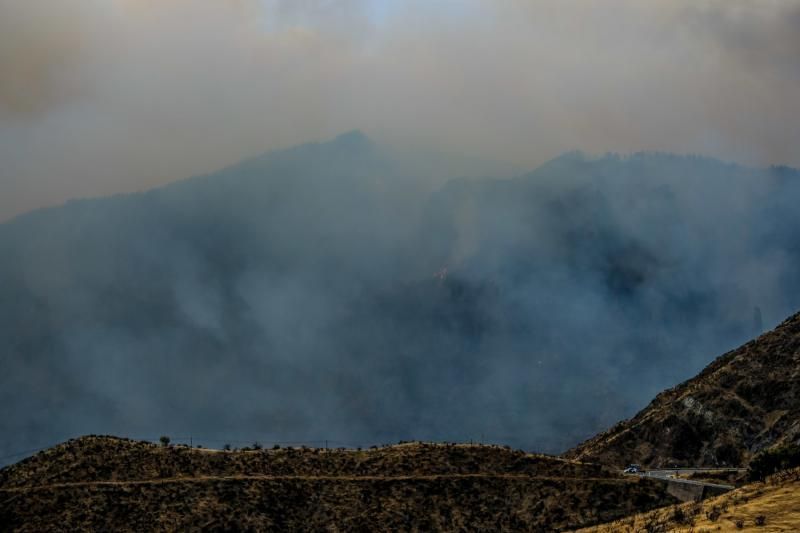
[
  {"x": 324, "y": 293},
  {"x": 370, "y": 291}
]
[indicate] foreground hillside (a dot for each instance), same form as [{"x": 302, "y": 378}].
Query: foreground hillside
[
  {"x": 102, "y": 483},
  {"x": 769, "y": 506},
  {"x": 746, "y": 401}
]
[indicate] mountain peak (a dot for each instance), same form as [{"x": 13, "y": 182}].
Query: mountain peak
[{"x": 352, "y": 139}]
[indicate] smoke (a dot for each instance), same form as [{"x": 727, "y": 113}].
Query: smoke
[
  {"x": 39, "y": 47},
  {"x": 103, "y": 97},
  {"x": 302, "y": 294},
  {"x": 324, "y": 292}
]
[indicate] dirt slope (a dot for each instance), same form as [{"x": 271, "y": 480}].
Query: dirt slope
[{"x": 745, "y": 401}]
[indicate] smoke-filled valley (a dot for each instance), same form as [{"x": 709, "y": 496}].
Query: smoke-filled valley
[
  {"x": 341, "y": 291},
  {"x": 399, "y": 265}
]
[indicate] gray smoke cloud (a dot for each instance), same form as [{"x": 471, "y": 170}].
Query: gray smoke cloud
[
  {"x": 103, "y": 97},
  {"x": 355, "y": 291},
  {"x": 326, "y": 292}
]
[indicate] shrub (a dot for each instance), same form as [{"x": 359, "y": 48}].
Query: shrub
[
  {"x": 761, "y": 520},
  {"x": 227, "y": 447},
  {"x": 714, "y": 514},
  {"x": 680, "y": 516},
  {"x": 773, "y": 460},
  {"x": 257, "y": 445},
  {"x": 739, "y": 523},
  {"x": 164, "y": 440}
]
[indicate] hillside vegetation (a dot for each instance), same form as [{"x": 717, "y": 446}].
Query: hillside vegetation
[
  {"x": 102, "y": 458},
  {"x": 100, "y": 483}
]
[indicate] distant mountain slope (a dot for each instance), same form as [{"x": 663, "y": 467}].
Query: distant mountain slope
[
  {"x": 745, "y": 401},
  {"x": 103, "y": 483},
  {"x": 335, "y": 291}
]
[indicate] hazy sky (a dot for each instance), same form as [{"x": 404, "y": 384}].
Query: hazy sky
[{"x": 104, "y": 96}]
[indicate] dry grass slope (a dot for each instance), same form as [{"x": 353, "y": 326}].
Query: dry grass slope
[
  {"x": 771, "y": 506},
  {"x": 102, "y": 483}
]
